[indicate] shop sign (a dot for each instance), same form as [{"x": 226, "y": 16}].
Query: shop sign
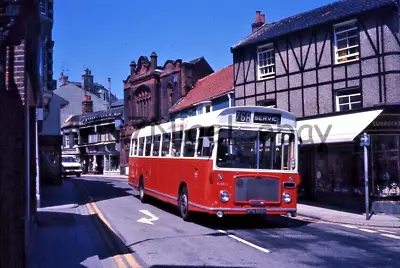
[{"x": 385, "y": 122}]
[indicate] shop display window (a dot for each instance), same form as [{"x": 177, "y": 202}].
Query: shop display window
[
  {"x": 385, "y": 165},
  {"x": 337, "y": 171}
]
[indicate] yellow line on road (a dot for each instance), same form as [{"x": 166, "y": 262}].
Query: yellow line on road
[
  {"x": 117, "y": 258},
  {"x": 128, "y": 257}
]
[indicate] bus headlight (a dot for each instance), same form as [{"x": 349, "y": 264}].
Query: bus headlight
[
  {"x": 286, "y": 197},
  {"x": 224, "y": 196}
]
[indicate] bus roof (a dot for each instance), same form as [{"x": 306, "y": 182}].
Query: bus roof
[{"x": 260, "y": 117}]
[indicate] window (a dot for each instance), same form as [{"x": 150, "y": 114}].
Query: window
[
  {"x": 156, "y": 145},
  {"x": 348, "y": 99},
  {"x": 67, "y": 141},
  {"x": 165, "y": 144},
  {"x": 176, "y": 143},
  {"x": 148, "y": 145},
  {"x": 205, "y": 142},
  {"x": 135, "y": 147},
  {"x": 170, "y": 91},
  {"x": 256, "y": 150},
  {"x": 266, "y": 61},
  {"x": 346, "y": 42},
  {"x": 132, "y": 148},
  {"x": 141, "y": 145},
  {"x": 269, "y": 103},
  {"x": 190, "y": 143}
]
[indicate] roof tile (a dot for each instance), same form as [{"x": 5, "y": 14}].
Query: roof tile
[
  {"x": 324, "y": 14},
  {"x": 207, "y": 88}
]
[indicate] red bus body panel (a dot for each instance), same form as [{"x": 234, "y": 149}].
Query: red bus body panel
[{"x": 163, "y": 176}]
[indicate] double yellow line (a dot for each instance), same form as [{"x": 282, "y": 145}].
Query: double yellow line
[{"x": 123, "y": 259}]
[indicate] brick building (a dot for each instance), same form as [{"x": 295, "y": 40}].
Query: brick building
[
  {"x": 151, "y": 90},
  {"x": 23, "y": 29},
  {"x": 337, "y": 68}
]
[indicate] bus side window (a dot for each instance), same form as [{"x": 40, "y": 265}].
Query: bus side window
[
  {"x": 131, "y": 147},
  {"x": 190, "y": 142},
  {"x": 206, "y": 141},
  {"x": 141, "y": 145},
  {"x": 156, "y": 145},
  {"x": 148, "y": 145},
  {"x": 165, "y": 144},
  {"x": 176, "y": 143},
  {"x": 134, "y": 147}
]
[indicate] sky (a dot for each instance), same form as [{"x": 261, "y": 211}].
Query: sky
[{"x": 106, "y": 37}]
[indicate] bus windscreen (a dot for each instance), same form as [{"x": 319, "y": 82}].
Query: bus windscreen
[{"x": 251, "y": 149}]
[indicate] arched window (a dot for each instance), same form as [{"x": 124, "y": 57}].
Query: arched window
[
  {"x": 143, "y": 101},
  {"x": 170, "y": 92}
]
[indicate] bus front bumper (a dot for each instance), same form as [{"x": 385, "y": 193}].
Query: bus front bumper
[{"x": 292, "y": 212}]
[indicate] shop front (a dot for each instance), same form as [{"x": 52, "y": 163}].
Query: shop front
[
  {"x": 101, "y": 159},
  {"x": 385, "y": 161},
  {"x": 332, "y": 160}
]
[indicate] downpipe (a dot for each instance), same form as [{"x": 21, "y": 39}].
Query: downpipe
[{"x": 27, "y": 170}]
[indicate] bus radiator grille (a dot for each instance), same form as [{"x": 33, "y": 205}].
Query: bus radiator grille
[{"x": 266, "y": 189}]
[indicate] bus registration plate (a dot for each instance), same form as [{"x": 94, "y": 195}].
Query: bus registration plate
[{"x": 256, "y": 211}]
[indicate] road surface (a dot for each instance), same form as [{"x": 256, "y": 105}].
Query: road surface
[{"x": 158, "y": 237}]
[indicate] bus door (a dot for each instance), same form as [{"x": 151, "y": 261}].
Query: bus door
[{"x": 205, "y": 145}]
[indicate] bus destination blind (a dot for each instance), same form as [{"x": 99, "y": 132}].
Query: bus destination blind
[{"x": 260, "y": 118}]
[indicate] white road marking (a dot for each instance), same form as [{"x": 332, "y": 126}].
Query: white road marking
[
  {"x": 391, "y": 236},
  {"x": 145, "y": 220},
  {"x": 388, "y": 233},
  {"x": 245, "y": 242},
  {"x": 367, "y": 230},
  {"x": 349, "y": 226},
  {"x": 385, "y": 231}
]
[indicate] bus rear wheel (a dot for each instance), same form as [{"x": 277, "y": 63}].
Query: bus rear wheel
[
  {"x": 183, "y": 204},
  {"x": 142, "y": 195}
]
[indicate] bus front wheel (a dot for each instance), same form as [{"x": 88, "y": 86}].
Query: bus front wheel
[{"x": 183, "y": 204}]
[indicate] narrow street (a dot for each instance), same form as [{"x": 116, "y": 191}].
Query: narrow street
[{"x": 165, "y": 240}]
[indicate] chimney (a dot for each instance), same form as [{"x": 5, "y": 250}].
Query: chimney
[
  {"x": 87, "y": 105},
  {"x": 87, "y": 80},
  {"x": 63, "y": 79},
  {"x": 153, "y": 58},
  {"x": 259, "y": 21}
]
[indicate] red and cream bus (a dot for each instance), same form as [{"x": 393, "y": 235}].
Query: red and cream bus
[{"x": 238, "y": 160}]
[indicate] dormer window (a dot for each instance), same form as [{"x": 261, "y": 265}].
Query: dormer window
[{"x": 265, "y": 61}]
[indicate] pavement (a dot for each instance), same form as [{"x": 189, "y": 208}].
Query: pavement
[
  {"x": 69, "y": 233},
  {"x": 342, "y": 217},
  {"x": 133, "y": 234}
]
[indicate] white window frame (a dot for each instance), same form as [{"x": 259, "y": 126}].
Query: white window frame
[
  {"x": 267, "y": 75},
  {"x": 336, "y": 50},
  {"x": 348, "y": 96},
  {"x": 67, "y": 141},
  {"x": 205, "y": 108}
]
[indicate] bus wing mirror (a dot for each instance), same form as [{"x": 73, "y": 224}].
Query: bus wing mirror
[{"x": 300, "y": 141}]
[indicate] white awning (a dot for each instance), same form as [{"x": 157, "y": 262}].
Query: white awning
[{"x": 332, "y": 129}]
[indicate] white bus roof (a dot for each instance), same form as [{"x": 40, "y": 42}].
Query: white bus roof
[{"x": 224, "y": 118}]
